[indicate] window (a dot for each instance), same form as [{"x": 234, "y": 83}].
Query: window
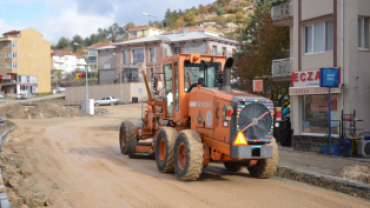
[
  {"x": 1, "y": 46},
  {"x": 200, "y": 74},
  {"x": 319, "y": 37},
  {"x": 315, "y": 114},
  {"x": 176, "y": 85},
  {"x": 176, "y": 50},
  {"x": 138, "y": 55},
  {"x": 169, "y": 95},
  {"x": 1, "y": 57},
  {"x": 91, "y": 59},
  {"x": 363, "y": 32},
  {"x": 1, "y": 67},
  {"x": 124, "y": 56},
  {"x": 11, "y": 55},
  {"x": 132, "y": 75},
  {"x": 224, "y": 51},
  {"x": 152, "y": 54},
  {"x": 214, "y": 50},
  {"x": 9, "y": 45},
  {"x": 34, "y": 55},
  {"x": 11, "y": 65},
  {"x": 34, "y": 45}
]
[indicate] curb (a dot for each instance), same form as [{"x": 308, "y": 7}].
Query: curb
[{"x": 329, "y": 182}]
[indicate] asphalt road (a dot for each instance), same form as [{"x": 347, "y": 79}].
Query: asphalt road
[{"x": 78, "y": 163}]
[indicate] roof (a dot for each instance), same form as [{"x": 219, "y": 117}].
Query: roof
[
  {"x": 12, "y": 32},
  {"x": 101, "y": 44},
  {"x": 143, "y": 27},
  {"x": 66, "y": 53},
  {"x": 178, "y": 38},
  {"x": 192, "y": 29},
  {"x": 106, "y": 47}
]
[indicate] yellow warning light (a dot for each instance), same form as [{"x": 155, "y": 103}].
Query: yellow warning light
[
  {"x": 272, "y": 127},
  {"x": 240, "y": 140},
  {"x": 255, "y": 100}
]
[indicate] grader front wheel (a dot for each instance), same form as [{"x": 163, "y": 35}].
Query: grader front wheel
[
  {"x": 188, "y": 156},
  {"x": 266, "y": 168},
  {"x": 126, "y": 135}
]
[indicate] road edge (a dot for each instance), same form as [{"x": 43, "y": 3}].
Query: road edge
[{"x": 328, "y": 182}]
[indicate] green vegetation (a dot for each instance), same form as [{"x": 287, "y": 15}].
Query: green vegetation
[
  {"x": 42, "y": 94},
  {"x": 82, "y": 82}
]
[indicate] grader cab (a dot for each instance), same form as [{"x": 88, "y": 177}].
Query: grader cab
[{"x": 198, "y": 118}]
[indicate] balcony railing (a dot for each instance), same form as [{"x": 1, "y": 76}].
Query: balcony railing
[
  {"x": 282, "y": 12},
  {"x": 282, "y": 67}
]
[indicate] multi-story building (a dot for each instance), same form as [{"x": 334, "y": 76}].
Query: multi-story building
[
  {"x": 143, "y": 31},
  {"x": 24, "y": 62},
  {"x": 67, "y": 62},
  {"x": 145, "y": 54},
  {"x": 196, "y": 29},
  {"x": 325, "y": 33},
  {"x": 92, "y": 56}
]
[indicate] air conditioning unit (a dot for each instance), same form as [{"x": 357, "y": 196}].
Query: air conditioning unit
[{"x": 363, "y": 148}]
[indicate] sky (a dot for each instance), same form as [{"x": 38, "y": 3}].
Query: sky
[{"x": 57, "y": 18}]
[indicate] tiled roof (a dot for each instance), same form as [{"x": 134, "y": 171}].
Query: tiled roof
[
  {"x": 12, "y": 32},
  {"x": 142, "y": 27},
  {"x": 101, "y": 44},
  {"x": 64, "y": 53}
]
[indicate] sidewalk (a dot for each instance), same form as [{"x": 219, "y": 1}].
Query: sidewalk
[
  {"x": 321, "y": 170},
  {"x": 316, "y": 163}
]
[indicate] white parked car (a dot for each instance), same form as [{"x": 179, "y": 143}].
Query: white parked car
[
  {"x": 110, "y": 100},
  {"x": 18, "y": 96},
  {"x": 1, "y": 96},
  {"x": 60, "y": 89}
]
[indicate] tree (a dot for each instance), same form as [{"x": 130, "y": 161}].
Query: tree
[
  {"x": 220, "y": 11},
  {"x": 62, "y": 43},
  {"x": 261, "y": 42}
]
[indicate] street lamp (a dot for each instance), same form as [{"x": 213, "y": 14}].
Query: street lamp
[
  {"x": 120, "y": 76},
  {"x": 148, "y": 15},
  {"x": 29, "y": 79},
  {"x": 87, "y": 88}
]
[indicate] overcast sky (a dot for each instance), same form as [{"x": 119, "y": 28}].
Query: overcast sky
[{"x": 57, "y": 18}]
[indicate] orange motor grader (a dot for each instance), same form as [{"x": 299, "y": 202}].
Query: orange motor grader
[{"x": 199, "y": 117}]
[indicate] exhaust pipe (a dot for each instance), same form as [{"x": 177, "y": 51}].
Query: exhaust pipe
[{"x": 226, "y": 86}]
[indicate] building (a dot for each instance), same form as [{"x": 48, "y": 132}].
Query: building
[
  {"x": 92, "y": 54},
  {"x": 107, "y": 65},
  {"x": 25, "y": 62},
  {"x": 143, "y": 31},
  {"x": 145, "y": 54},
  {"x": 325, "y": 33},
  {"x": 67, "y": 62}
]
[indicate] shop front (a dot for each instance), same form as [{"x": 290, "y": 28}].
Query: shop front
[
  {"x": 310, "y": 111},
  {"x": 8, "y": 84}
]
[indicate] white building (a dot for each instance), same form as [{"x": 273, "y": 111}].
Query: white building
[{"x": 67, "y": 62}]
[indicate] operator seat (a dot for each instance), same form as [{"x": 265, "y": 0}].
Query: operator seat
[{"x": 200, "y": 82}]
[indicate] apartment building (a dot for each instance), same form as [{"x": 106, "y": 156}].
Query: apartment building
[
  {"x": 67, "y": 62},
  {"x": 145, "y": 54},
  {"x": 107, "y": 65},
  {"x": 143, "y": 31},
  {"x": 24, "y": 62},
  {"x": 325, "y": 33},
  {"x": 92, "y": 56}
]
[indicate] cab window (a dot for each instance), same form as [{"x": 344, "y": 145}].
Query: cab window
[
  {"x": 167, "y": 69},
  {"x": 200, "y": 74}
]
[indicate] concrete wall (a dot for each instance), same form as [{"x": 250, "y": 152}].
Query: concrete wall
[
  {"x": 96, "y": 92},
  {"x": 315, "y": 8},
  {"x": 106, "y": 57}
]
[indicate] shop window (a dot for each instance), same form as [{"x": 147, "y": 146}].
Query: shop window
[
  {"x": 363, "y": 32},
  {"x": 319, "y": 37},
  {"x": 177, "y": 50},
  {"x": 1, "y": 67},
  {"x": 316, "y": 114}
]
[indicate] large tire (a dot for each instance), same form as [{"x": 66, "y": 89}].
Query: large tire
[
  {"x": 266, "y": 168},
  {"x": 233, "y": 166},
  {"x": 164, "y": 149},
  {"x": 126, "y": 135},
  {"x": 188, "y": 156}
]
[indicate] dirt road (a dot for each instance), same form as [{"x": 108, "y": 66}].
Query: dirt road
[{"x": 78, "y": 163}]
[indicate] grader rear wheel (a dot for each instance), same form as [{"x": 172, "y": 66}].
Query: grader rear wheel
[
  {"x": 164, "y": 149},
  {"x": 266, "y": 168},
  {"x": 126, "y": 135},
  {"x": 188, "y": 158}
]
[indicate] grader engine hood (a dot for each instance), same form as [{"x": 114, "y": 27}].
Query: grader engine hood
[{"x": 223, "y": 115}]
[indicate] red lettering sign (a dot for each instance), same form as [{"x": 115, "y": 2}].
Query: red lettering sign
[
  {"x": 302, "y": 77},
  {"x": 257, "y": 85}
]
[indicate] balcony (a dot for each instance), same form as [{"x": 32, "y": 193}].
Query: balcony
[
  {"x": 282, "y": 15},
  {"x": 282, "y": 69}
]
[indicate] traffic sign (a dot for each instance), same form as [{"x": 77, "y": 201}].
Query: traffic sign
[
  {"x": 140, "y": 90},
  {"x": 257, "y": 85},
  {"x": 329, "y": 77}
]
